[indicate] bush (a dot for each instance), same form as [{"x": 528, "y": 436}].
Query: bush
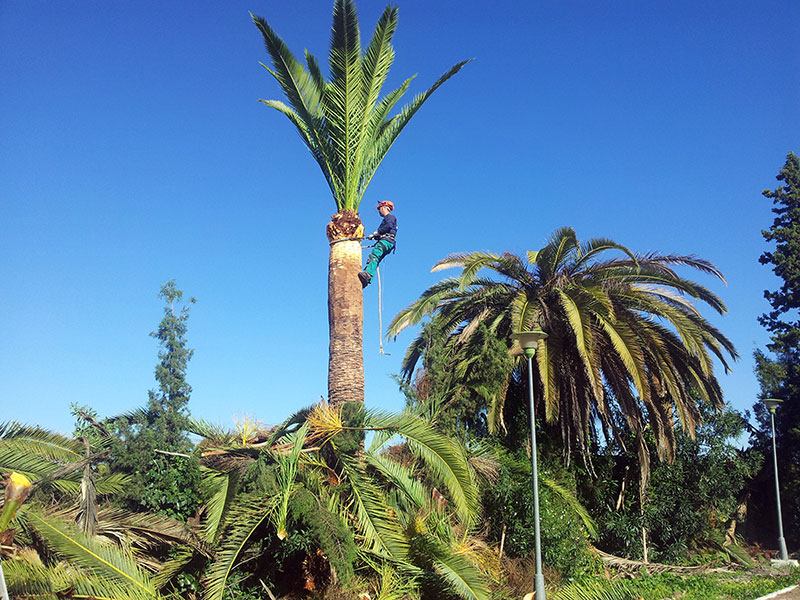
[{"x": 509, "y": 503}]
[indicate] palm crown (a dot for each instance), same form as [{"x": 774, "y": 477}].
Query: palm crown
[
  {"x": 345, "y": 125},
  {"x": 621, "y": 329}
]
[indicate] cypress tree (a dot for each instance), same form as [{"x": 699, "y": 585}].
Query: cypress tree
[
  {"x": 160, "y": 482},
  {"x": 779, "y": 371}
]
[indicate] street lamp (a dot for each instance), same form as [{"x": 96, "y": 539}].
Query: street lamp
[
  {"x": 772, "y": 404},
  {"x": 528, "y": 340}
]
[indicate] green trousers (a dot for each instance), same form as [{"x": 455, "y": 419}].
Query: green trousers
[{"x": 379, "y": 252}]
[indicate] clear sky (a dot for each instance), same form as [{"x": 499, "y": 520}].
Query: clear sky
[{"x": 133, "y": 150}]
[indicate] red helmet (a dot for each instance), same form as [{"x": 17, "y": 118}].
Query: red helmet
[{"x": 387, "y": 203}]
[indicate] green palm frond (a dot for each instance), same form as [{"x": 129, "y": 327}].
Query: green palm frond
[
  {"x": 581, "y": 328},
  {"x": 40, "y": 442},
  {"x": 204, "y": 429},
  {"x": 572, "y": 502},
  {"x": 147, "y": 529},
  {"x": 219, "y": 490},
  {"x": 546, "y": 356},
  {"x": 245, "y": 518},
  {"x": 27, "y": 579},
  {"x": 456, "y": 573},
  {"x": 393, "y": 586},
  {"x": 375, "y": 521},
  {"x": 31, "y": 580},
  {"x": 174, "y": 565},
  {"x": 287, "y": 472},
  {"x": 464, "y": 578},
  {"x": 343, "y": 122},
  {"x": 445, "y": 459},
  {"x": 618, "y": 590},
  {"x": 35, "y": 467},
  {"x": 112, "y": 566},
  {"x": 113, "y": 483},
  {"x": 401, "y": 478}
]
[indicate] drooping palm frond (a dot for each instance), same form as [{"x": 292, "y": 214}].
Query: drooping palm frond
[
  {"x": 32, "y": 579},
  {"x": 401, "y": 478},
  {"x": 454, "y": 570},
  {"x": 245, "y": 518},
  {"x": 442, "y": 456},
  {"x": 622, "y": 327},
  {"x": 219, "y": 491},
  {"x": 28, "y": 578},
  {"x": 572, "y": 502},
  {"x": 213, "y": 433},
  {"x": 50, "y": 459},
  {"x": 392, "y": 586},
  {"x": 112, "y": 483},
  {"x": 464, "y": 578},
  {"x": 172, "y": 567},
  {"x": 112, "y": 567},
  {"x": 87, "y": 507},
  {"x": 376, "y": 522},
  {"x": 144, "y": 531},
  {"x": 40, "y": 442}
]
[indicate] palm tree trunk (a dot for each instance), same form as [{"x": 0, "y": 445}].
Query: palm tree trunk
[{"x": 345, "y": 310}]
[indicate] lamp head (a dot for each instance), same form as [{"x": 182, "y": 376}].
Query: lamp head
[
  {"x": 529, "y": 340},
  {"x": 772, "y": 404}
]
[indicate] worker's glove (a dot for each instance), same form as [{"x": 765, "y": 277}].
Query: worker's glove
[{"x": 371, "y": 236}]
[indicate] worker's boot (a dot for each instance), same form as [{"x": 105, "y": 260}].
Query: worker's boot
[{"x": 365, "y": 278}]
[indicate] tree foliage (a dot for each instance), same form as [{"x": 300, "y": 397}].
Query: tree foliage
[
  {"x": 162, "y": 483},
  {"x": 344, "y": 123},
  {"x": 624, "y": 332},
  {"x": 679, "y": 525},
  {"x": 779, "y": 371}
]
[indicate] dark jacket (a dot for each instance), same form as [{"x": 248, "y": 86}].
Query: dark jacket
[{"x": 387, "y": 229}]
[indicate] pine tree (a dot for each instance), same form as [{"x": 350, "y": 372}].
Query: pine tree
[
  {"x": 162, "y": 483},
  {"x": 779, "y": 374}
]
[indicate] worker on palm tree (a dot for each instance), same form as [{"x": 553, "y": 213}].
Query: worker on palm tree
[{"x": 384, "y": 243}]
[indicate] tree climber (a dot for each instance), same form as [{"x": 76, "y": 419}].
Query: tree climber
[{"x": 384, "y": 244}]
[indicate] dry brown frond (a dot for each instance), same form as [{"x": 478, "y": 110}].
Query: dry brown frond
[{"x": 486, "y": 467}]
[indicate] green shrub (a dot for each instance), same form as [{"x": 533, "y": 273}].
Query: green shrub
[{"x": 509, "y": 503}]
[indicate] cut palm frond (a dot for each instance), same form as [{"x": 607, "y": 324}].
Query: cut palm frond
[
  {"x": 112, "y": 567},
  {"x": 245, "y": 518}
]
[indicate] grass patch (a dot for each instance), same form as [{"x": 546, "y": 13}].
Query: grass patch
[{"x": 735, "y": 586}]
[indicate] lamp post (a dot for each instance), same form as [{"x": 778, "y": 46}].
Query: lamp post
[
  {"x": 772, "y": 404},
  {"x": 528, "y": 340}
]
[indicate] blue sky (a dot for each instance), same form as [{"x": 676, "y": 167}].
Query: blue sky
[{"x": 133, "y": 150}]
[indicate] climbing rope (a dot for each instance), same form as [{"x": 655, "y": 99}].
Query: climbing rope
[
  {"x": 350, "y": 239},
  {"x": 380, "y": 314}
]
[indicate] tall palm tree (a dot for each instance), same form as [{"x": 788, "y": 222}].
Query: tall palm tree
[
  {"x": 625, "y": 335},
  {"x": 348, "y": 130}
]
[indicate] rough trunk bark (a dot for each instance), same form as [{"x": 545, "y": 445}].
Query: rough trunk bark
[{"x": 345, "y": 310}]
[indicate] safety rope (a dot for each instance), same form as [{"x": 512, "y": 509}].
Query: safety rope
[
  {"x": 345, "y": 240},
  {"x": 380, "y": 314}
]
